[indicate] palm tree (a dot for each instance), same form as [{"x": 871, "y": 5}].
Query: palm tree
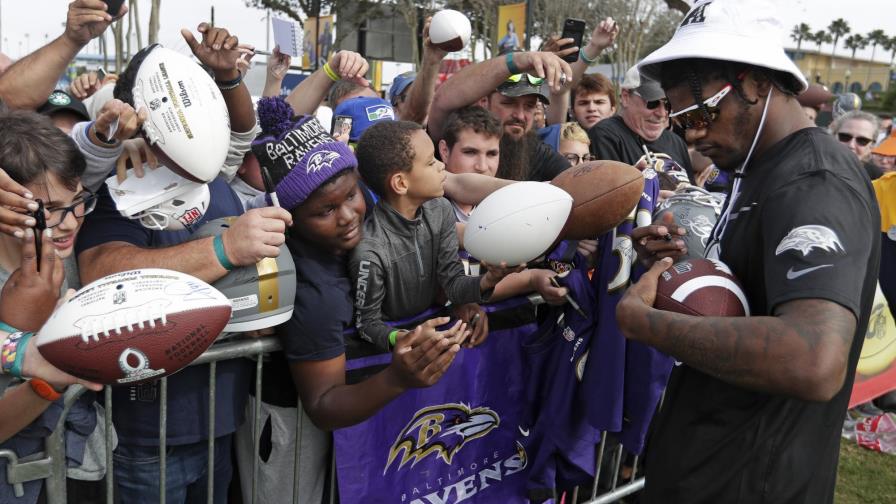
[
  {"x": 820, "y": 37},
  {"x": 801, "y": 32},
  {"x": 891, "y": 46},
  {"x": 838, "y": 28},
  {"x": 855, "y": 42},
  {"x": 876, "y": 38}
]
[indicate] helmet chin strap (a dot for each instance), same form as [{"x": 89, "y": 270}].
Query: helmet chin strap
[{"x": 715, "y": 248}]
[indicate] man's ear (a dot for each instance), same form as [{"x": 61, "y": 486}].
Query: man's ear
[
  {"x": 623, "y": 98},
  {"x": 443, "y": 150},
  {"x": 398, "y": 182}
]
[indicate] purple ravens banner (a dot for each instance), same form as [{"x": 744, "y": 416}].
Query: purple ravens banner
[{"x": 460, "y": 440}]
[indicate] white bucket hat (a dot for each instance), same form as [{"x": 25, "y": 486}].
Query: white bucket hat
[{"x": 743, "y": 31}]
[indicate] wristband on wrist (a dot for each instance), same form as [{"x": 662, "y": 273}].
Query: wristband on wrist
[
  {"x": 13, "y": 353},
  {"x": 511, "y": 66},
  {"x": 392, "y": 336},
  {"x": 8, "y": 328},
  {"x": 218, "y": 244},
  {"x": 330, "y": 73},
  {"x": 44, "y": 389},
  {"x": 586, "y": 59},
  {"x": 231, "y": 84}
]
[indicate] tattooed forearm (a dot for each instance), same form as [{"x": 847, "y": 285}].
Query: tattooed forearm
[{"x": 801, "y": 351}]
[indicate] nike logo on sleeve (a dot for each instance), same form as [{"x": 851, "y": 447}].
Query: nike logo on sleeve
[{"x": 793, "y": 275}]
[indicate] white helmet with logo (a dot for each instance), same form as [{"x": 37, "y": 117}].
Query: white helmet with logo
[{"x": 160, "y": 200}]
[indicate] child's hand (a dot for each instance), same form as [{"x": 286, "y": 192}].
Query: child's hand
[
  {"x": 494, "y": 274},
  {"x": 422, "y": 356},
  {"x": 477, "y": 321}
]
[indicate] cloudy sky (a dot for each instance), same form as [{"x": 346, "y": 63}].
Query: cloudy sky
[{"x": 27, "y": 24}]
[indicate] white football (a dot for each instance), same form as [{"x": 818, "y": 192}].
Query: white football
[
  {"x": 188, "y": 125},
  {"x": 450, "y": 30},
  {"x": 134, "y": 326},
  {"x": 517, "y": 223}
]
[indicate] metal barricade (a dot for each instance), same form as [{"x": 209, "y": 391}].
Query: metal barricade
[{"x": 50, "y": 465}]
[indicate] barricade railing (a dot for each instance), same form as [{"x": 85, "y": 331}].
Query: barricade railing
[{"x": 50, "y": 464}]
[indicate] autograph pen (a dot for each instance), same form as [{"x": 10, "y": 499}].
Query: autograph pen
[
  {"x": 40, "y": 225},
  {"x": 572, "y": 302}
]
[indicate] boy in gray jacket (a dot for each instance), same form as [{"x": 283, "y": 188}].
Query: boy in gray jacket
[{"x": 409, "y": 244}]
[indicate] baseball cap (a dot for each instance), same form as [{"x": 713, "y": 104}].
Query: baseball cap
[
  {"x": 60, "y": 101},
  {"x": 297, "y": 151},
  {"x": 364, "y": 112},
  {"x": 525, "y": 84},
  {"x": 399, "y": 84},
  {"x": 887, "y": 147},
  {"x": 742, "y": 31},
  {"x": 647, "y": 88}
]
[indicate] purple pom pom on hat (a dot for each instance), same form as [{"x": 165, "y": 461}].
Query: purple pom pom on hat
[{"x": 297, "y": 151}]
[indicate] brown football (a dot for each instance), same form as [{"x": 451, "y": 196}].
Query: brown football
[
  {"x": 604, "y": 193},
  {"x": 701, "y": 287}
]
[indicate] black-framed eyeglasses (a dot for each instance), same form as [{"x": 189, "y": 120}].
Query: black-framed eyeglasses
[
  {"x": 860, "y": 141},
  {"x": 575, "y": 159},
  {"x": 81, "y": 207},
  {"x": 699, "y": 115}
]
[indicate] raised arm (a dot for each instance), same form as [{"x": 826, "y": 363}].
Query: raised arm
[
  {"x": 219, "y": 50},
  {"x": 28, "y": 83},
  {"x": 477, "y": 81},
  {"x": 602, "y": 37},
  {"x": 424, "y": 88},
  {"x": 308, "y": 95}
]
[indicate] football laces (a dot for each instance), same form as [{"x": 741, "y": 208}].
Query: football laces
[{"x": 149, "y": 314}]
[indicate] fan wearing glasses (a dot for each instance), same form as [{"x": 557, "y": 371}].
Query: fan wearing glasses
[
  {"x": 641, "y": 128},
  {"x": 857, "y": 131},
  {"x": 46, "y": 162}
]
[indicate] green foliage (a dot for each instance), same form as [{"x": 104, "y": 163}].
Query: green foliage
[{"x": 864, "y": 476}]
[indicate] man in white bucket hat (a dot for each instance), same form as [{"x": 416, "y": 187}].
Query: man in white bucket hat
[{"x": 753, "y": 414}]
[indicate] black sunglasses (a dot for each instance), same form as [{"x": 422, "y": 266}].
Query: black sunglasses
[
  {"x": 653, "y": 104},
  {"x": 846, "y": 138}
]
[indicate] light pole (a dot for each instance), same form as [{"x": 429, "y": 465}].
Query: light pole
[{"x": 846, "y": 86}]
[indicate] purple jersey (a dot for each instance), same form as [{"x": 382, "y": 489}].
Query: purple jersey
[
  {"x": 622, "y": 380},
  {"x": 561, "y": 441}
]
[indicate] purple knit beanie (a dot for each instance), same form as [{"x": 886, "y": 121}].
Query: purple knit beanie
[{"x": 297, "y": 151}]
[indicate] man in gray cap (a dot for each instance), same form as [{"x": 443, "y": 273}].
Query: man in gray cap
[
  {"x": 754, "y": 411},
  {"x": 640, "y": 127}
]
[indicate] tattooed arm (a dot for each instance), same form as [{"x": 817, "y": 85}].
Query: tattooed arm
[{"x": 801, "y": 351}]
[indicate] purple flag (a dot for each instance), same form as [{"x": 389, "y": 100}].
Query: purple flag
[{"x": 460, "y": 440}]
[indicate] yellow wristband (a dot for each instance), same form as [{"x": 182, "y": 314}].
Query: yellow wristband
[{"x": 330, "y": 73}]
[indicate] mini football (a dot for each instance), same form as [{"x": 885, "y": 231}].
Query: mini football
[
  {"x": 450, "y": 30},
  {"x": 134, "y": 326},
  {"x": 517, "y": 223},
  {"x": 188, "y": 126},
  {"x": 701, "y": 287},
  {"x": 604, "y": 193}
]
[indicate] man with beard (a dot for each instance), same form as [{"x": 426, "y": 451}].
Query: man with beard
[{"x": 502, "y": 86}]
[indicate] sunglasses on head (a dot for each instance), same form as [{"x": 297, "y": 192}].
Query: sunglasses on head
[
  {"x": 860, "y": 141},
  {"x": 535, "y": 81},
  {"x": 697, "y": 116}
]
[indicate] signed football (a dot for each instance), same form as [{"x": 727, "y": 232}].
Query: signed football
[
  {"x": 604, "y": 193},
  {"x": 702, "y": 287},
  {"x": 134, "y": 326}
]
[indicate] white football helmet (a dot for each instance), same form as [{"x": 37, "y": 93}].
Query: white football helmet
[{"x": 160, "y": 200}]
